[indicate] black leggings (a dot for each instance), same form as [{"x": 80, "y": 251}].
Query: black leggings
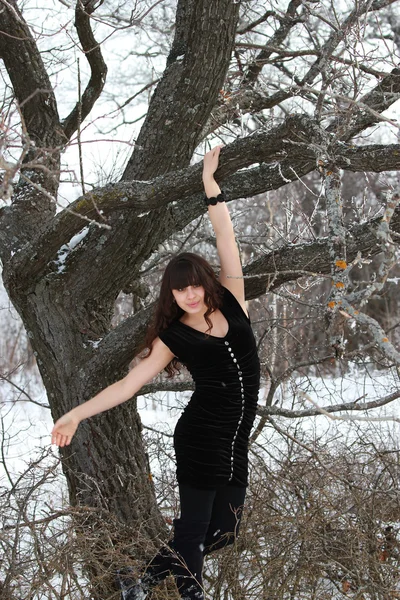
[{"x": 209, "y": 520}]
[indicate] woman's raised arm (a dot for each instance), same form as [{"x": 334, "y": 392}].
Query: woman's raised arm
[
  {"x": 114, "y": 394},
  {"x": 231, "y": 275}
]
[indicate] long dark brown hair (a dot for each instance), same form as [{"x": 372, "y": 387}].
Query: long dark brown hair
[{"x": 183, "y": 270}]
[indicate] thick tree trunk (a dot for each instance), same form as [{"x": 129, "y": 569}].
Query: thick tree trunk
[{"x": 106, "y": 465}]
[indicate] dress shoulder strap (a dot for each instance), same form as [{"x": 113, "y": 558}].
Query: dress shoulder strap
[{"x": 171, "y": 338}]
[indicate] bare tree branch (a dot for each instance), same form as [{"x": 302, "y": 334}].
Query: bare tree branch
[
  {"x": 29, "y": 78},
  {"x": 315, "y": 412},
  {"x": 262, "y": 19},
  {"x": 151, "y": 195},
  {"x": 287, "y": 22},
  {"x": 166, "y": 386},
  {"x": 291, "y": 139},
  {"x": 120, "y": 345},
  {"x": 385, "y": 93},
  {"x": 242, "y": 101},
  {"x": 313, "y": 256},
  {"x": 338, "y": 35},
  {"x": 184, "y": 98},
  {"x": 98, "y": 68},
  {"x": 24, "y": 392},
  {"x": 42, "y": 133}
]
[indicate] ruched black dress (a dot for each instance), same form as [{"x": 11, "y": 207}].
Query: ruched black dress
[{"x": 212, "y": 434}]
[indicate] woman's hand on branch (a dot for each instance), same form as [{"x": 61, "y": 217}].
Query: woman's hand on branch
[
  {"x": 64, "y": 430},
  {"x": 210, "y": 162}
]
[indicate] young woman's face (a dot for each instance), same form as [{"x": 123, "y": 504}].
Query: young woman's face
[{"x": 190, "y": 299}]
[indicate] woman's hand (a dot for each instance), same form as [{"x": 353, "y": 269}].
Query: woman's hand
[
  {"x": 210, "y": 162},
  {"x": 64, "y": 429}
]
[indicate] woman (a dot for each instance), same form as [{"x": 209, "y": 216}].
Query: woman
[{"x": 203, "y": 323}]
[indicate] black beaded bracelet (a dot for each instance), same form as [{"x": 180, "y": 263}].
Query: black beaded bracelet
[{"x": 213, "y": 201}]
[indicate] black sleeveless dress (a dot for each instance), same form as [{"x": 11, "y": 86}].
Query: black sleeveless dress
[{"x": 212, "y": 434}]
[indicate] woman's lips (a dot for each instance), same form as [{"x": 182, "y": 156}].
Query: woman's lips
[{"x": 193, "y": 305}]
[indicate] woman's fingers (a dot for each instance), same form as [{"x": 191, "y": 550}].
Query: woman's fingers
[
  {"x": 63, "y": 431},
  {"x": 211, "y": 159},
  {"x": 61, "y": 440},
  {"x": 56, "y": 438}
]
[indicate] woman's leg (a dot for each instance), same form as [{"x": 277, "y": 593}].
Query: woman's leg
[
  {"x": 183, "y": 557},
  {"x": 209, "y": 520},
  {"x": 225, "y": 518}
]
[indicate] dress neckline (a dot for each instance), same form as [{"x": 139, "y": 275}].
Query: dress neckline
[{"x": 217, "y": 337}]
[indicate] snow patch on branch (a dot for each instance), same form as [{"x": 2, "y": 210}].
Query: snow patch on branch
[{"x": 66, "y": 249}]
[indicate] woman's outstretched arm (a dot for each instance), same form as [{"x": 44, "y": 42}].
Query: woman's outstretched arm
[
  {"x": 114, "y": 394},
  {"x": 231, "y": 275}
]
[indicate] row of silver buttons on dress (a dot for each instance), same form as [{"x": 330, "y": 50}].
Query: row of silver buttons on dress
[{"x": 242, "y": 396}]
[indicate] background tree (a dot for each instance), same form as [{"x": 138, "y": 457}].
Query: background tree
[{"x": 299, "y": 93}]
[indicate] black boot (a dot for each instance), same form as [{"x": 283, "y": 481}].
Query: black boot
[{"x": 131, "y": 588}]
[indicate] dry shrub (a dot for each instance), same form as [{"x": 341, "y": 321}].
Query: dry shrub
[{"x": 318, "y": 525}]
